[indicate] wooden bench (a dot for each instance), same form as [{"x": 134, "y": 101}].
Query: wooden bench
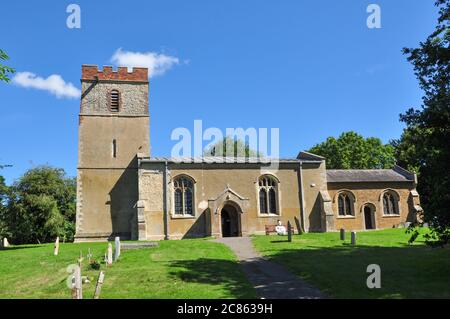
[{"x": 271, "y": 229}]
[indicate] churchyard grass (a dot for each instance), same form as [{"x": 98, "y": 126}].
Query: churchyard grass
[
  {"x": 194, "y": 268},
  {"x": 339, "y": 269}
]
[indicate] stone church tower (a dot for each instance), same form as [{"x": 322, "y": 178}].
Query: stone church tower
[{"x": 113, "y": 129}]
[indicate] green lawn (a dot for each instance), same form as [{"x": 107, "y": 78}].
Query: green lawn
[
  {"x": 195, "y": 268},
  {"x": 339, "y": 269}
]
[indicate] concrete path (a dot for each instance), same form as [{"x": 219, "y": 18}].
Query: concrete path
[{"x": 271, "y": 280}]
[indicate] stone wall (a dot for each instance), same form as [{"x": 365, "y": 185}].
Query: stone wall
[{"x": 371, "y": 193}]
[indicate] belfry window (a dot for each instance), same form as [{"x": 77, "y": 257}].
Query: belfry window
[
  {"x": 345, "y": 204},
  {"x": 114, "y": 101},
  {"x": 183, "y": 196},
  {"x": 268, "y": 195}
]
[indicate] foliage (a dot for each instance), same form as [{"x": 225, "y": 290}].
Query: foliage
[
  {"x": 3, "y": 197},
  {"x": 352, "y": 151},
  {"x": 40, "y": 207},
  {"x": 94, "y": 265},
  {"x": 4, "y": 70},
  {"x": 234, "y": 146},
  {"x": 424, "y": 144}
]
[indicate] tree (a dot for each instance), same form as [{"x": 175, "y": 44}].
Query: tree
[
  {"x": 3, "y": 200},
  {"x": 40, "y": 206},
  {"x": 4, "y": 70},
  {"x": 351, "y": 151},
  {"x": 425, "y": 142},
  {"x": 234, "y": 146}
]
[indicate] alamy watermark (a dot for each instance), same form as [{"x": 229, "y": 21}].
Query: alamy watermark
[
  {"x": 374, "y": 19},
  {"x": 73, "y": 21},
  {"x": 374, "y": 279},
  {"x": 251, "y": 145}
]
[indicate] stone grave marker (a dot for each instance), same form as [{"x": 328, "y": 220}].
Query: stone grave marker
[
  {"x": 56, "y": 250},
  {"x": 353, "y": 238},
  {"x": 289, "y": 231},
  {"x": 98, "y": 287},
  {"x": 109, "y": 259},
  {"x": 5, "y": 242},
  {"x": 77, "y": 290},
  {"x": 116, "y": 248},
  {"x": 342, "y": 234}
]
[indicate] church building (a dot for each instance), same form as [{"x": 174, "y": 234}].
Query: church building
[{"x": 123, "y": 191}]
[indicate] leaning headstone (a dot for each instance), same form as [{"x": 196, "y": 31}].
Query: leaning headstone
[
  {"x": 289, "y": 231},
  {"x": 56, "y": 251},
  {"x": 5, "y": 242},
  {"x": 98, "y": 287},
  {"x": 116, "y": 248},
  {"x": 353, "y": 238},
  {"x": 342, "y": 234},
  {"x": 109, "y": 260},
  {"x": 77, "y": 291}
]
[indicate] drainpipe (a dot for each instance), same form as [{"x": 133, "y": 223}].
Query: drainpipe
[
  {"x": 302, "y": 200},
  {"x": 166, "y": 204}
]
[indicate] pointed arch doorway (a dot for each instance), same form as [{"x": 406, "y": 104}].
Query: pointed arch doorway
[
  {"x": 369, "y": 216},
  {"x": 230, "y": 218}
]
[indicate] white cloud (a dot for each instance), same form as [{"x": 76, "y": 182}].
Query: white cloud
[
  {"x": 157, "y": 63},
  {"x": 53, "y": 84}
]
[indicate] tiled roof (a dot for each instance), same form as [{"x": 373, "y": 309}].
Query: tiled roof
[{"x": 369, "y": 175}]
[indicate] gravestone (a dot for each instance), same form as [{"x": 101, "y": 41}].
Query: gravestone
[
  {"x": 109, "y": 260},
  {"x": 77, "y": 291},
  {"x": 56, "y": 251},
  {"x": 98, "y": 287},
  {"x": 5, "y": 242},
  {"x": 116, "y": 248},
  {"x": 353, "y": 238},
  {"x": 289, "y": 231},
  {"x": 342, "y": 234}
]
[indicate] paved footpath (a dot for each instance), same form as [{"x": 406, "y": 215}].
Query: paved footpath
[{"x": 271, "y": 280}]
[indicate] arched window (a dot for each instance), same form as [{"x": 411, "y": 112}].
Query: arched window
[
  {"x": 268, "y": 195},
  {"x": 114, "y": 101},
  {"x": 390, "y": 204},
  {"x": 345, "y": 204},
  {"x": 183, "y": 196}
]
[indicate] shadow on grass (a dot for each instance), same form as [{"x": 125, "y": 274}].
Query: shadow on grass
[
  {"x": 226, "y": 273},
  {"x": 19, "y": 247},
  {"x": 341, "y": 271}
]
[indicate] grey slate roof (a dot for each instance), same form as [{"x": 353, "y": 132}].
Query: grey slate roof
[{"x": 369, "y": 175}]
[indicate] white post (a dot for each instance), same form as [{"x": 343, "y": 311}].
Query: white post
[
  {"x": 110, "y": 257},
  {"x": 56, "y": 251},
  {"x": 117, "y": 248}
]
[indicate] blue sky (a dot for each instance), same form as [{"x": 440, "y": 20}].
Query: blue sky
[{"x": 311, "y": 68}]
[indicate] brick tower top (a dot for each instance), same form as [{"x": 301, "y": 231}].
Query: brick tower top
[{"x": 91, "y": 73}]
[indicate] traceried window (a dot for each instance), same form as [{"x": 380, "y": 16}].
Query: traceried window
[
  {"x": 183, "y": 196},
  {"x": 114, "y": 101},
  {"x": 345, "y": 204},
  {"x": 390, "y": 204},
  {"x": 268, "y": 195}
]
